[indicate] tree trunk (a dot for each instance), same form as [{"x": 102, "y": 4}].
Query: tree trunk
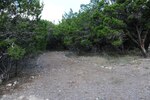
[
  {"x": 141, "y": 41},
  {"x": 144, "y": 53}
]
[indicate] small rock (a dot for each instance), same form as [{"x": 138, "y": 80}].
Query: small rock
[
  {"x": 97, "y": 99},
  {"x": 21, "y": 98},
  {"x": 32, "y": 77},
  {"x": 102, "y": 66},
  {"x": 10, "y": 84},
  {"x": 4, "y": 96},
  {"x": 15, "y": 83},
  {"x": 32, "y": 97},
  {"x": 109, "y": 68}
]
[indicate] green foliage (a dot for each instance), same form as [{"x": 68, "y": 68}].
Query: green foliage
[
  {"x": 99, "y": 24},
  {"x": 117, "y": 42},
  {"x": 68, "y": 41},
  {"x": 24, "y": 29},
  {"x": 16, "y": 52},
  {"x": 90, "y": 27},
  {"x": 86, "y": 43},
  {"x": 42, "y": 30}
]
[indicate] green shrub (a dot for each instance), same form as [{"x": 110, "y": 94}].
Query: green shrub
[
  {"x": 16, "y": 52},
  {"x": 117, "y": 42},
  {"x": 86, "y": 42}
]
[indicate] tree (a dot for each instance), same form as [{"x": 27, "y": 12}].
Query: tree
[
  {"x": 17, "y": 30},
  {"x": 127, "y": 18},
  {"x": 135, "y": 15},
  {"x": 17, "y": 21}
]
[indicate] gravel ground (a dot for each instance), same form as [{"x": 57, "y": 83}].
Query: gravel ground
[{"x": 64, "y": 76}]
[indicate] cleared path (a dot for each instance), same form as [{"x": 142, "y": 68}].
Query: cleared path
[{"x": 67, "y": 77}]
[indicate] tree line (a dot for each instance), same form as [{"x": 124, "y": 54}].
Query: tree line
[{"x": 119, "y": 25}]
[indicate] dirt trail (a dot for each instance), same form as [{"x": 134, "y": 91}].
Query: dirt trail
[{"x": 65, "y": 77}]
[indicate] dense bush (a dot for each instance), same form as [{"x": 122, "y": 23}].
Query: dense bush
[
  {"x": 22, "y": 32},
  {"x": 120, "y": 25}
]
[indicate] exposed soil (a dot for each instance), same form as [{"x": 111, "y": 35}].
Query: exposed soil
[{"x": 64, "y": 76}]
